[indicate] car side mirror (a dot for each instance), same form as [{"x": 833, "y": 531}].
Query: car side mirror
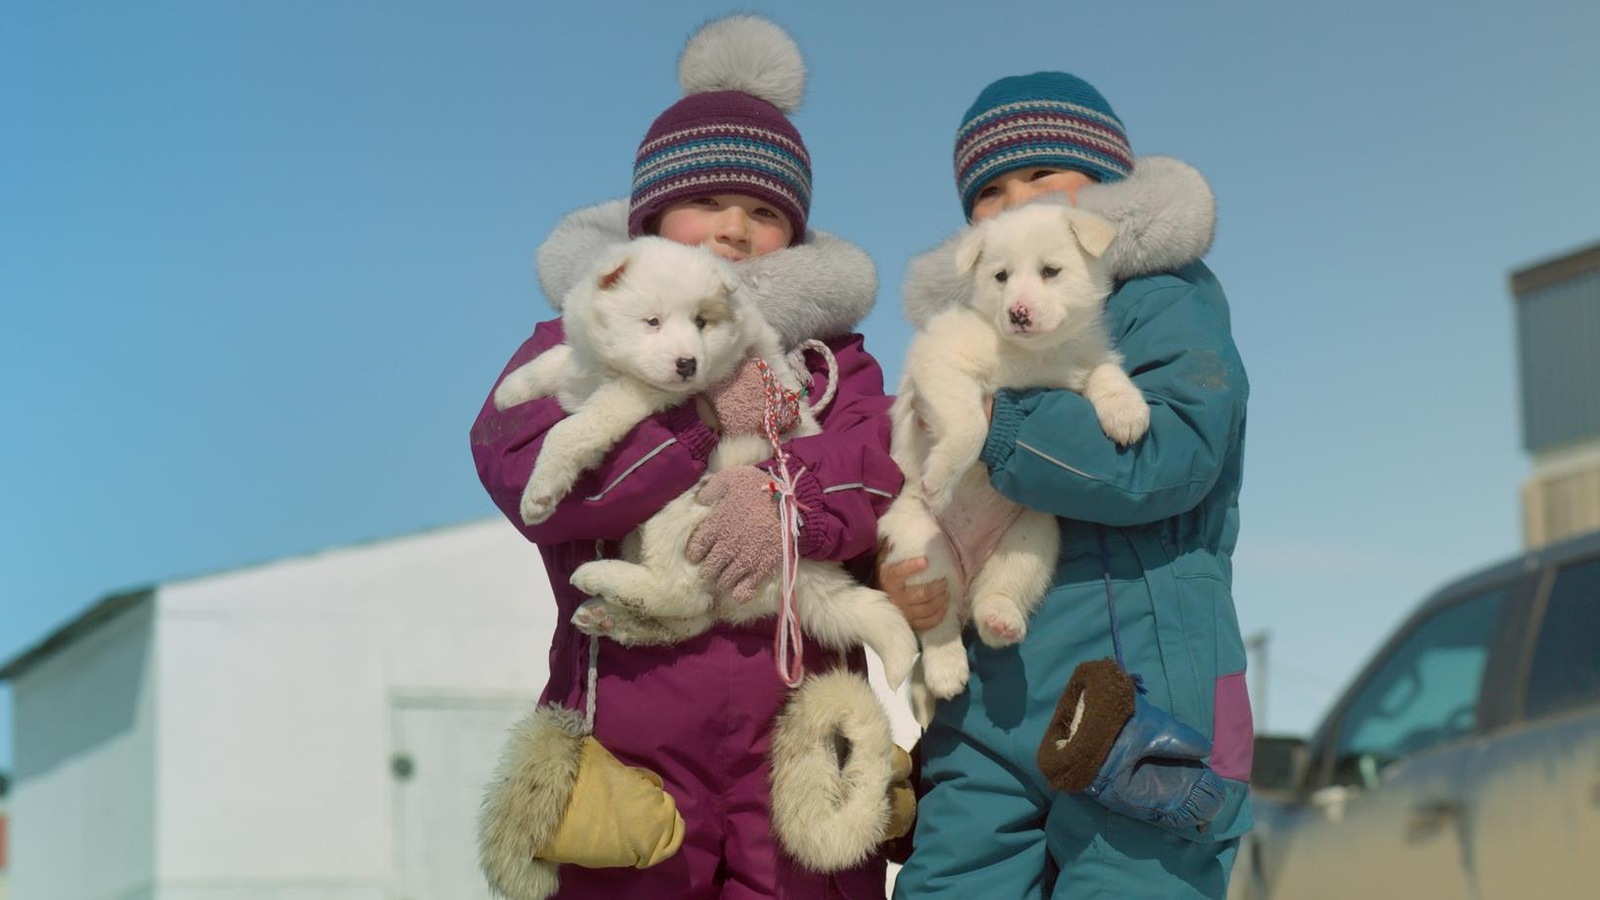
[{"x": 1278, "y": 763}]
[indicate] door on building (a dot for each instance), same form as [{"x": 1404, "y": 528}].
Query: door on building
[{"x": 445, "y": 749}]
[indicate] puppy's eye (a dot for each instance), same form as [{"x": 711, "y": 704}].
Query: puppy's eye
[
  {"x": 653, "y": 322},
  {"x": 1049, "y": 271},
  {"x": 700, "y": 322},
  {"x": 1001, "y": 276}
]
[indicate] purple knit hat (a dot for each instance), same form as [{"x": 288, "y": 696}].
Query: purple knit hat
[{"x": 729, "y": 134}]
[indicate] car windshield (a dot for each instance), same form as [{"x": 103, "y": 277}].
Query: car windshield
[{"x": 1424, "y": 693}]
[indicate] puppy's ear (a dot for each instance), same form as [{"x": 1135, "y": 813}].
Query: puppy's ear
[
  {"x": 613, "y": 267},
  {"x": 1094, "y": 233},
  {"x": 970, "y": 248}
]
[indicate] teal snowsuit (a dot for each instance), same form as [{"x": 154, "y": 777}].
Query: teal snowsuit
[{"x": 1166, "y": 511}]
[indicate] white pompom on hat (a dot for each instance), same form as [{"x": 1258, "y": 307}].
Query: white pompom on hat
[{"x": 747, "y": 54}]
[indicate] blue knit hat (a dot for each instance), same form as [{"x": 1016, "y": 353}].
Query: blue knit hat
[{"x": 1043, "y": 119}]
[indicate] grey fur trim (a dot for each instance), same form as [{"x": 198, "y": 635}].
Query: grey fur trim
[
  {"x": 821, "y": 288},
  {"x": 1165, "y": 216},
  {"x": 576, "y": 245},
  {"x": 830, "y": 813},
  {"x": 744, "y": 53},
  {"x": 1165, "y": 213},
  {"x": 526, "y": 800}
]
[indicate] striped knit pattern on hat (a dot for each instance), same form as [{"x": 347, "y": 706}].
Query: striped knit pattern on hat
[
  {"x": 1047, "y": 119},
  {"x": 721, "y": 142}
]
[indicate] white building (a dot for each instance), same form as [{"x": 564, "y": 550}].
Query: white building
[{"x": 316, "y": 728}]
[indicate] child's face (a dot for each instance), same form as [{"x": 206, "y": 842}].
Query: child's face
[
  {"x": 1018, "y": 186},
  {"x": 733, "y": 226}
]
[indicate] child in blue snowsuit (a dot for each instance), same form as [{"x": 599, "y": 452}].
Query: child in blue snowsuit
[{"x": 1147, "y": 531}]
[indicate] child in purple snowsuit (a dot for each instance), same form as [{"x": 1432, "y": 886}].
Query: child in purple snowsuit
[{"x": 726, "y": 170}]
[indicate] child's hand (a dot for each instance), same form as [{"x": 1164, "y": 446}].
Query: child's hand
[
  {"x": 739, "y": 545},
  {"x": 923, "y": 605}
]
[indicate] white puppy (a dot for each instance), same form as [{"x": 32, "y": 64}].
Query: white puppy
[
  {"x": 655, "y": 595},
  {"x": 660, "y": 322},
  {"x": 1035, "y": 320},
  {"x": 654, "y": 324}
]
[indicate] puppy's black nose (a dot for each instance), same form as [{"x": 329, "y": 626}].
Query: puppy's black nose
[
  {"x": 686, "y": 366},
  {"x": 1019, "y": 316}
]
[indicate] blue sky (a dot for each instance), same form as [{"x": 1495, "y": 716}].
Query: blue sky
[{"x": 261, "y": 262}]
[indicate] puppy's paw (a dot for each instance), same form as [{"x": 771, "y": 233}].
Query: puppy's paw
[
  {"x": 536, "y": 506},
  {"x": 590, "y": 579},
  {"x": 944, "y": 669},
  {"x": 1124, "y": 418},
  {"x": 999, "y": 623},
  {"x": 594, "y": 617},
  {"x": 512, "y": 391}
]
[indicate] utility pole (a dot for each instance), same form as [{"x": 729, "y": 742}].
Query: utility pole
[{"x": 1255, "y": 646}]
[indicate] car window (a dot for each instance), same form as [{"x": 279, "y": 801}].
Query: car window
[
  {"x": 1423, "y": 693},
  {"x": 1566, "y": 658}
]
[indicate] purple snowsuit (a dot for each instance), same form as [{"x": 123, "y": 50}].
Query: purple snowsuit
[{"x": 699, "y": 713}]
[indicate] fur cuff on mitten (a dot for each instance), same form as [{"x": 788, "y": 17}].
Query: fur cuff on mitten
[
  {"x": 1090, "y": 714},
  {"x": 739, "y": 545},
  {"x": 835, "y": 774},
  {"x": 560, "y": 797}
]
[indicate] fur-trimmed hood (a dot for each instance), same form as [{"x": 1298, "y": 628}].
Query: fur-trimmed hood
[
  {"x": 821, "y": 288},
  {"x": 1165, "y": 216}
]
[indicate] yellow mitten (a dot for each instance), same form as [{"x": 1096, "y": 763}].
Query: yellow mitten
[
  {"x": 559, "y": 797},
  {"x": 902, "y": 796},
  {"x": 618, "y": 816}
]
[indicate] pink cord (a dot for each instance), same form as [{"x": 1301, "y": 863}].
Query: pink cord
[{"x": 783, "y": 414}]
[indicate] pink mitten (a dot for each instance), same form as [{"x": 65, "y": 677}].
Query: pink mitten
[
  {"x": 739, "y": 401},
  {"x": 739, "y": 545}
]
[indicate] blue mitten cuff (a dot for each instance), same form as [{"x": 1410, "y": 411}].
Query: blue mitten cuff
[{"x": 1156, "y": 773}]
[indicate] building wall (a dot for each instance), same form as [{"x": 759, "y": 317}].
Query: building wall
[
  {"x": 82, "y": 799},
  {"x": 1561, "y": 498},
  {"x": 1558, "y": 328},
  {"x": 326, "y": 726},
  {"x": 282, "y": 684},
  {"x": 1558, "y": 343}
]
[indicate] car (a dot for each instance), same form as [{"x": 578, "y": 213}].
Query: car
[{"x": 1464, "y": 759}]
